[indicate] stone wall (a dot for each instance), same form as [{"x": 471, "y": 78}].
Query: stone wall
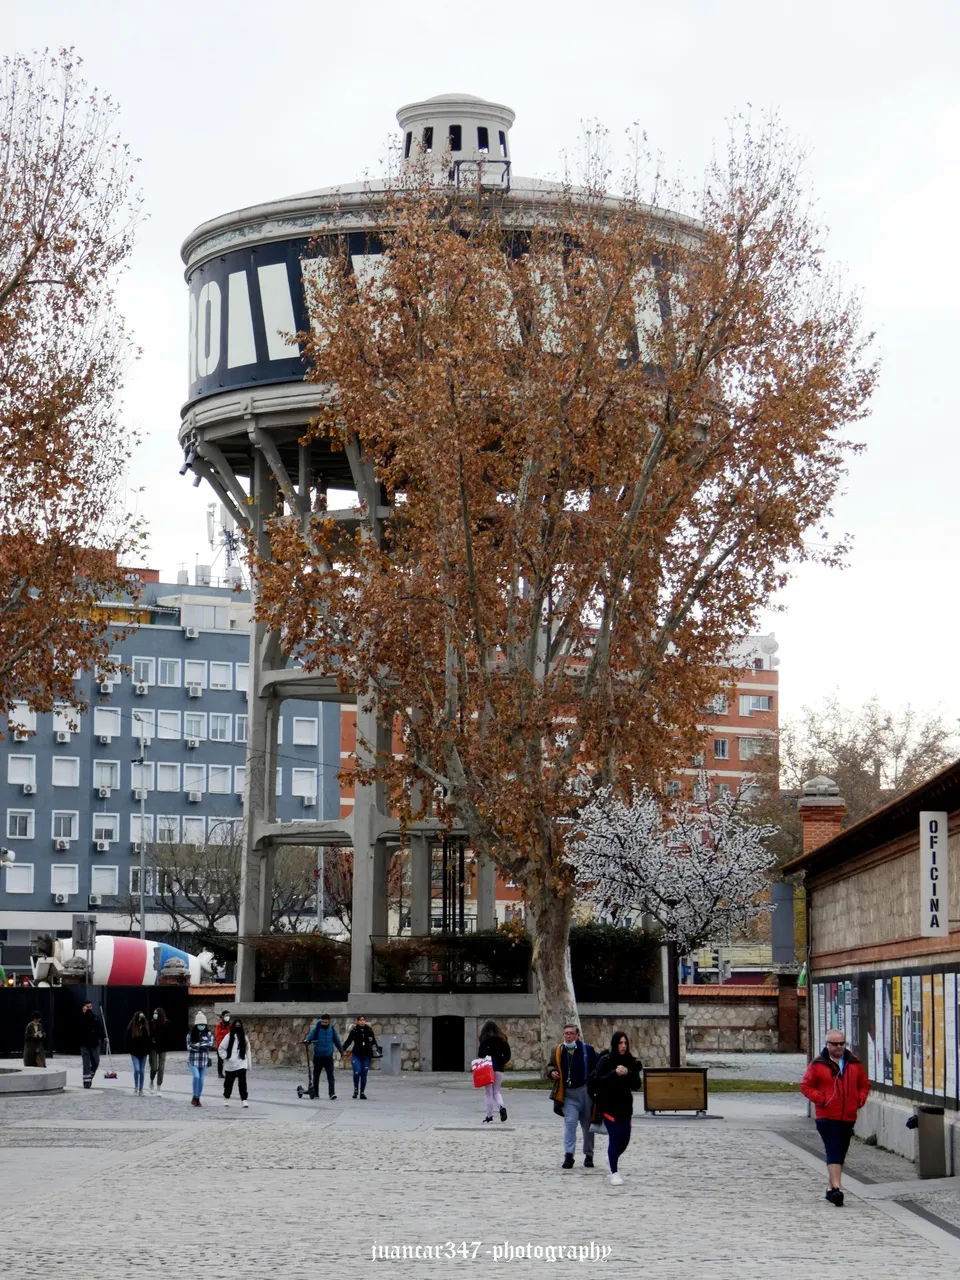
[
  {"x": 728, "y": 1020},
  {"x": 648, "y": 1036}
]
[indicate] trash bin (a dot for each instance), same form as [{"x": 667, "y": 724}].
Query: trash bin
[
  {"x": 391, "y": 1063},
  {"x": 931, "y": 1150}
]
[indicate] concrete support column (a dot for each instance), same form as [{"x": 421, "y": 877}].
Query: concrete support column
[
  {"x": 420, "y": 884},
  {"x": 370, "y": 853},
  {"x": 486, "y": 893},
  {"x": 469, "y": 1041},
  {"x": 426, "y": 1043}
]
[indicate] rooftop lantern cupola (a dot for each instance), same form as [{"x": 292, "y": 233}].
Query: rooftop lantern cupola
[{"x": 464, "y": 139}]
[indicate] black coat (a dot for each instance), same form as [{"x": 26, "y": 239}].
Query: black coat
[
  {"x": 497, "y": 1048},
  {"x": 138, "y": 1046},
  {"x": 614, "y": 1094},
  {"x": 361, "y": 1040},
  {"x": 91, "y": 1031},
  {"x": 162, "y": 1039}
]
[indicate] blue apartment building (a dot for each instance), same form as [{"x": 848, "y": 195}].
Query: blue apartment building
[{"x": 73, "y": 787}]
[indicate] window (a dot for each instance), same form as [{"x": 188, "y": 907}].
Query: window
[
  {"x": 304, "y": 733},
  {"x": 194, "y": 830},
  {"x": 221, "y": 675},
  {"x": 240, "y": 728},
  {"x": 106, "y": 773},
  {"x": 66, "y": 771},
  {"x": 63, "y": 878},
  {"x": 168, "y": 777},
  {"x": 219, "y": 727},
  {"x": 720, "y": 704},
  {"x": 194, "y": 724},
  {"x": 239, "y": 778},
  {"x": 279, "y": 782},
  {"x": 168, "y": 828},
  {"x": 143, "y": 670},
  {"x": 750, "y": 702},
  {"x": 428, "y": 138},
  {"x": 701, "y": 793},
  {"x": 455, "y": 137},
  {"x": 195, "y": 673},
  {"x": 407, "y": 143},
  {"x": 106, "y": 722},
  {"x": 141, "y": 776},
  {"x": 22, "y": 770},
  {"x": 106, "y": 826},
  {"x": 674, "y": 787},
  {"x": 65, "y": 824},
  {"x": 208, "y": 617},
  {"x": 19, "y": 878},
  {"x": 226, "y": 830},
  {"x": 142, "y": 724},
  {"x": 66, "y": 719},
  {"x": 242, "y": 681},
  {"x": 279, "y": 730},
  {"x": 170, "y": 673},
  {"x": 19, "y": 824},
  {"x": 503, "y": 143},
  {"x": 723, "y": 789},
  {"x": 303, "y": 782},
  {"x": 218, "y": 781},
  {"x": 721, "y": 748},
  {"x": 103, "y": 880},
  {"x": 194, "y": 777},
  {"x": 149, "y": 881},
  {"x": 483, "y": 138},
  {"x": 21, "y": 719},
  {"x": 750, "y": 748},
  {"x": 168, "y": 724},
  {"x": 111, "y": 670},
  {"x": 141, "y": 830}
]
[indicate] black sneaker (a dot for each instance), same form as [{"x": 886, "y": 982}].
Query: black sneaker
[
  {"x": 567, "y": 1162},
  {"x": 363, "y": 1097},
  {"x": 355, "y": 1092},
  {"x": 488, "y": 1119},
  {"x": 333, "y": 1097},
  {"x": 503, "y": 1114},
  {"x": 835, "y": 1196},
  {"x": 588, "y": 1162}
]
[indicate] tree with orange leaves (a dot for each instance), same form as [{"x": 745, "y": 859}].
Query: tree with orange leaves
[
  {"x": 66, "y": 216},
  {"x": 594, "y": 438}
]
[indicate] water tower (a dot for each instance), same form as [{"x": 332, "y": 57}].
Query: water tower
[{"x": 247, "y": 408}]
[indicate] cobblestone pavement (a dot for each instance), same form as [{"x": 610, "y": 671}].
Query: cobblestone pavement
[{"x": 101, "y": 1185}]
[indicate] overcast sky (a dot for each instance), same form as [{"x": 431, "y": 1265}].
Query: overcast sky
[{"x": 234, "y": 103}]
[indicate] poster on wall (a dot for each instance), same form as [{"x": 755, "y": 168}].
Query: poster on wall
[
  {"x": 939, "y": 1057},
  {"x": 822, "y": 1007},
  {"x": 926, "y": 988},
  {"x": 878, "y": 1029},
  {"x": 950, "y": 1032},
  {"x": 848, "y": 1015},
  {"x": 813, "y": 993},
  {"x": 855, "y": 1018},
  {"x": 834, "y": 1017},
  {"x": 917, "y": 1033},
  {"x": 897, "y": 1034},
  {"x": 888, "y": 1031},
  {"x": 906, "y": 1023}
]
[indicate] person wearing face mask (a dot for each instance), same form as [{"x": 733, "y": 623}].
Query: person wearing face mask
[
  {"x": 571, "y": 1064},
  {"x": 362, "y": 1042},
  {"x": 221, "y": 1029},
  {"x": 837, "y": 1085},
  {"x": 199, "y": 1044},
  {"x": 615, "y": 1078},
  {"x": 159, "y": 1047},
  {"x": 235, "y": 1056}
]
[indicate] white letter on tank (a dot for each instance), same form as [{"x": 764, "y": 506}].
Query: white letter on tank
[
  {"x": 277, "y": 311},
  {"x": 241, "y": 348},
  {"x": 208, "y": 329}
]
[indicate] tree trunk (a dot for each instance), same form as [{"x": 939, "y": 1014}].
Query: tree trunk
[{"x": 552, "y": 915}]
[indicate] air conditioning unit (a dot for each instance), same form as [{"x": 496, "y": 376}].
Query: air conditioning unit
[
  {"x": 20, "y": 736},
  {"x": 93, "y": 900},
  {"x": 194, "y": 691},
  {"x": 29, "y": 789},
  {"x": 191, "y": 633},
  {"x": 63, "y": 846},
  {"x": 309, "y": 801},
  {"x": 102, "y": 846},
  {"x": 194, "y": 797},
  {"x": 103, "y": 793},
  {"x": 104, "y": 739},
  {"x": 141, "y": 688},
  {"x": 106, "y": 686},
  {"x": 61, "y": 736},
  {"x": 193, "y": 743},
  {"x": 140, "y": 793},
  {"x": 59, "y": 899},
  {"x": 138, "y": 847}
]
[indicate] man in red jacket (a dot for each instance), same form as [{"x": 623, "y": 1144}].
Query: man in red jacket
[{"x": 837, "y": 1085}]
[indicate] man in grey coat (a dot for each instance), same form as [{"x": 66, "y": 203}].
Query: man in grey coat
[{"x": 570, "y": 1066}]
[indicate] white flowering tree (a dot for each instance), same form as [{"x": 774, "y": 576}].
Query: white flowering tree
[{"x": 699, "y": 867}]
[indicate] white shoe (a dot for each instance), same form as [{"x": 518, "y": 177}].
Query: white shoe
[
  {"x": 151, "y": 1088},
  {"x": 244, "y": 1104},
  {"x": 135, "y": 1092},
  {"x": 226, "y": 1102},
  {"x": 616, "y": 1180},
  {"x": 158, "y": 1094}
]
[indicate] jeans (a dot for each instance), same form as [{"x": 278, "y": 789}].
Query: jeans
[
  {"x": 619, "y": 1131},
  {"x": 198, "y": 1073},
  {"x": 836, "y": 1135},
  {"x": 138, "y": 1068},
  {"x": 492, "y": 1092},
  {"x": 577, "y": 1106},
  {"x": 157, "y": 1062},
  {"x": 241, "y": 1079},
  {"x": 323, "y": 1064},
  {"x": 91, "y": 1060},
  {"x": 360, "y": 1068}
]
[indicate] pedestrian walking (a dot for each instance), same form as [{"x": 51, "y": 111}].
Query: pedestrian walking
[
  {"x": 493, "y": 1044},
  {"x": 138, "y": 1047},
  {"x": 199, "y": 1044},
  {"x": 220, "y": 1030},
  {"x": 615, "y": 1077},
  {"x": 90, "y": 1037},
  {"x": 571, "y": 1065},
  {"x": 363, "y": 1043},
  {"x": 236, "y": 1061},
  {"x": 161, "y": 1034},
  {"x": 324, "y": 1039},
  {"x": 33, "y": 1043},
  {"x": 837, "y": 1085}
]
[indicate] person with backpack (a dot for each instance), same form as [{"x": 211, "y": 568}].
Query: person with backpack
[
  {"x": 363, "y": 1043},
  {"x": 234, "y": 1055},
  {"x": 837, "y": 1085},
  {"x": 571, "y": 1065},
  {"x": 138, "y": 1047},
  {"x": 614, "y": 1079},
  {"x": 324, "y": 1039},
  {"x": 494, "y": 1045}
]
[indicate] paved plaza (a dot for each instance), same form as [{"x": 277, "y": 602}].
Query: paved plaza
[{"x": 102, "y": 1185}]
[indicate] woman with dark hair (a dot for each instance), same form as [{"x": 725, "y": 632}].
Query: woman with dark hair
[
  {"x": 160, "y": 1031},
  {"x": 615, "y": 1077},
  {"x": 235, "y": 1058},
  {"x": 493, "y": 1044},
  {"x": 33, "y": 1038},
  {"x": 138, "y": 1047},
  {"x": 199, "y": 1044}
]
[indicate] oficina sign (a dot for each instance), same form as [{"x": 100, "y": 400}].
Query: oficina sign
[{"x": 934, "y": 880}]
